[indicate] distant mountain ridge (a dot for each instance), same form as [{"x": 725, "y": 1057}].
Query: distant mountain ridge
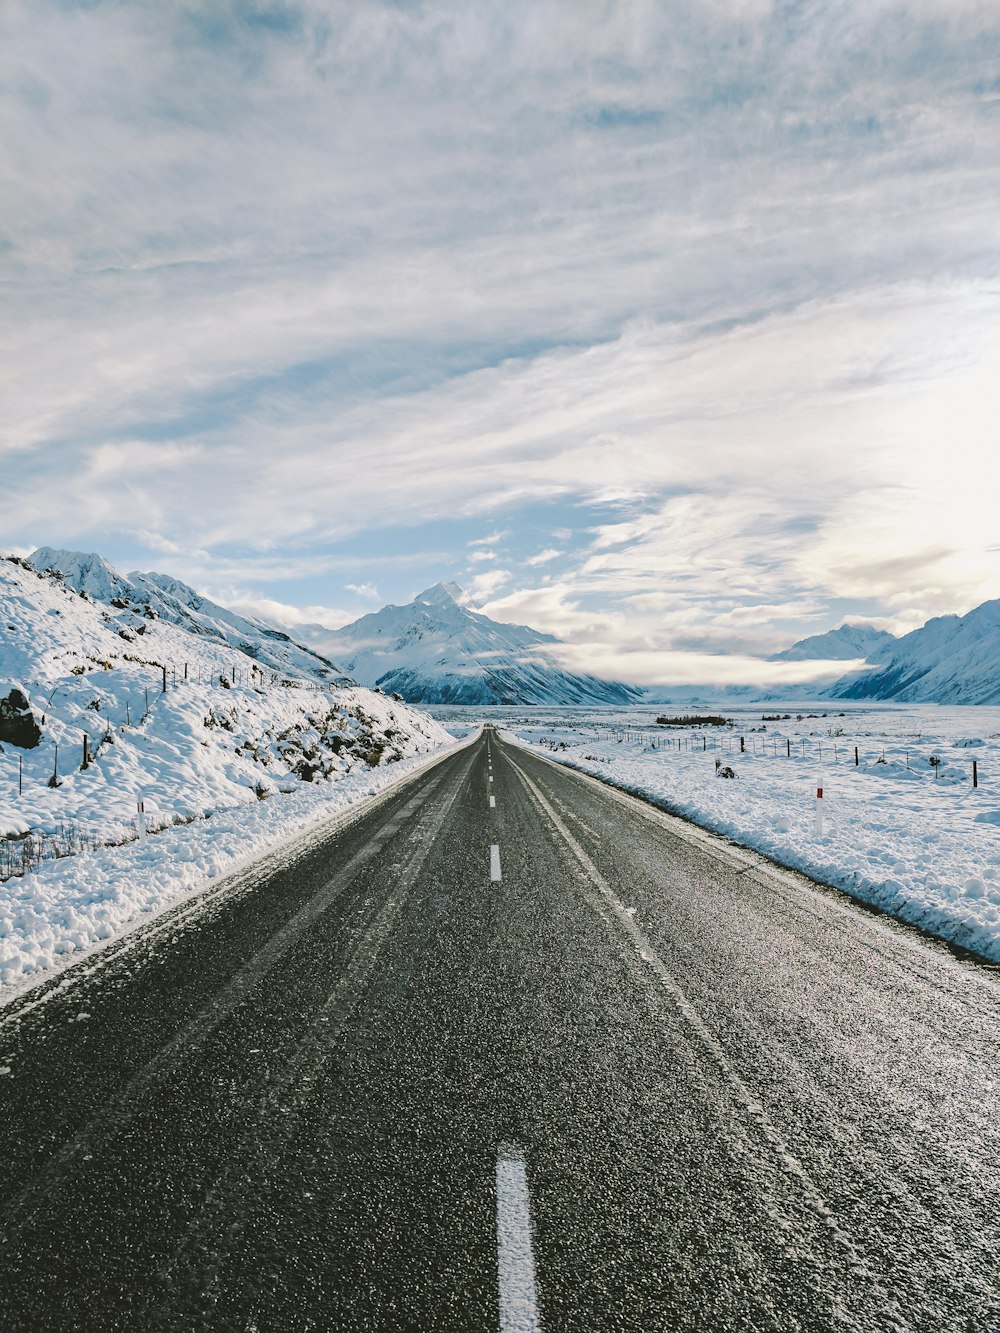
[
  {"x": 180, "y": 605},
  {"x": 438, "y": 650},
  {"x": 949, "y": 660},
  {"x": 848, "y": 642}
]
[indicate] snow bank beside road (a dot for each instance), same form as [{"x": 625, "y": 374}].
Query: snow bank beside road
[
  {"x": 923, "y": 848},
  {"x": 66, "y": 909}
]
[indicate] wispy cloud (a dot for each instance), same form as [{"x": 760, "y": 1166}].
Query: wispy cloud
[
  {"x": 486, "y": 585},
  {"x": 282, "y": 613}
]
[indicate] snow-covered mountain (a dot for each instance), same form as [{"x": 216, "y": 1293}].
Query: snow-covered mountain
[
  {"x": 848, "y": 643},
  {"x": 437, "y": 650},
  {"x": 148, "y": 596},
  {"x": 950, "y": 660}
]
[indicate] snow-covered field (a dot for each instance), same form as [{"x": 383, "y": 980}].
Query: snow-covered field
[
  {"x": 199, "y": 748},
  {"x": 913, "y": 838}
]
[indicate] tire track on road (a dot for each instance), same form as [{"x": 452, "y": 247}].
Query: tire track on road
[
  {"x": 196, "y": 1264},
  {"x": 115, "y": 1116},
  {"x": 616, "y": 915}
]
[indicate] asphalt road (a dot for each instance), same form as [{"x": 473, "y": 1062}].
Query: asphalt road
[{"x": 547, "y": 1061}]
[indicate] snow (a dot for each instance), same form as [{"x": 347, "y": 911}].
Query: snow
[
  {"x": 920, "y": 843},
  {"x": 254, "y": 742},
  {"x": 140, "y": 597},
  {"x": 230, "y": 759}
]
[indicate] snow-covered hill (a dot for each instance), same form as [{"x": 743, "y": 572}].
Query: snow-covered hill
[
  {"x": 437, "y": 650},
  {"x": 160, "y": 595},
  {"x": 950, "y": 660},
  {"x": 848, "y": 643},
  {"x": 226, "y": 731}
]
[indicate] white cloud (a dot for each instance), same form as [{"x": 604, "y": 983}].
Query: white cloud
[
  {"x": 483, "y": 586},
  {"x": 637, "y": 667},
  {"x": 282, "y": 613},
  {"x": 366, "y": 590},
  {"x": 543, "y": 557}
]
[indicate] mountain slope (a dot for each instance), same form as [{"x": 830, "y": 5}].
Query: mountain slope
[
  {"x": 87, "y": 728},
  {"x": 848, "y": 643},
  {"x": 950, "y": 660},
  {"x": 436, "y": 650},
  {"x": 160, "y": 595}
]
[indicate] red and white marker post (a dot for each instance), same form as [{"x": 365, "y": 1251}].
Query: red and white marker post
[
  {"x": 819, "y": 810},
  {"x": 141, "y": 816}
]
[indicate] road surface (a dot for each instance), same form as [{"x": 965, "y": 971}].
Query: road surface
[{"x": 509, "y": 1052}]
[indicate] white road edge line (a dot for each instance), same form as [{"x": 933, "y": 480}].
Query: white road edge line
[
  {"x": 494, "y": 862},
  {"x": 644, "y": 950},
  {"x": 717, "y": 844},
  {"x": 515, "y": 1260},
  {"x": 493, "y": 802}
]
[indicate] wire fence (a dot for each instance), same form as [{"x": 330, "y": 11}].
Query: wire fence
[
  {"x": 831, "y": 750},
  {"x": 133, "y": 707},
  {"x": 24, "y": 852},
  {"x": 21, "y": 854}
]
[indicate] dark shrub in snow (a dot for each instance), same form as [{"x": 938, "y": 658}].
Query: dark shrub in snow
[{"x": 17, "y": 722}]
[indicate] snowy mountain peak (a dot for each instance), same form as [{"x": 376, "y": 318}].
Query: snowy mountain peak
[
  {"x": 437, "y": 650},
  {"x": 949, "y": 660},
  {"x": 443, "y": 594},
  {"x": 86, "y": 571},
  {"x": 986, "y": 616},
  {"x": 163, "y": 596},
  {"x": 842, "y": 644},
  {"x": 167, "y": 583}
]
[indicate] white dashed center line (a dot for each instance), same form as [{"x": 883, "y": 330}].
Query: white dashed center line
[
  {"x": 494, "y": 862},
  {"x": 515, "y": 1261},
  {"x": 493, "y": 802}
]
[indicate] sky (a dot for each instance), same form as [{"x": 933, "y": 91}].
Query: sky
[{"x": 669, "y": 328}]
